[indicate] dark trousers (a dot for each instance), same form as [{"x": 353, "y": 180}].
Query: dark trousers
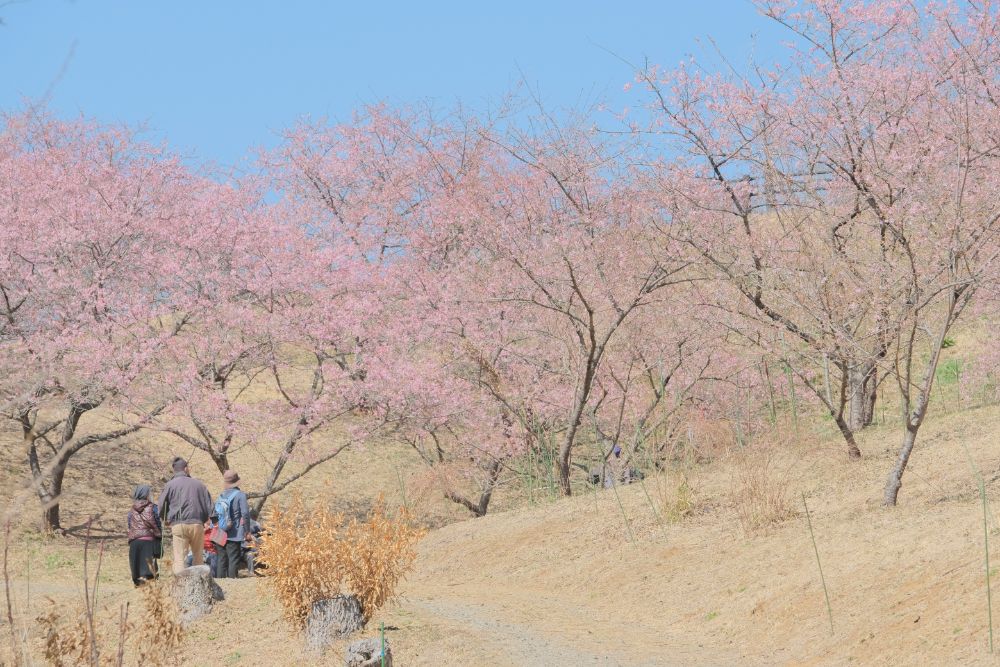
[
  {"x": 229, "y": 558},
  {"x": 141, "y": 561}
]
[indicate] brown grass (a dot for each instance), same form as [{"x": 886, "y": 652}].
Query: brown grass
[
  {"x": 759, "y": 492},
  {"x": 537, "y": 585},
  {"x": 81, "y": 639}
]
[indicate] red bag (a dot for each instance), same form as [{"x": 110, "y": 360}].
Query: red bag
[{"x": 219, "y": 536}]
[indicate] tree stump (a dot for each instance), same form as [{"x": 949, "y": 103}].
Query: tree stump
[
  {"x": 333, "y": 619},
  {"x": 368, "y": 653},
  {"x": 195, "y": 591}
]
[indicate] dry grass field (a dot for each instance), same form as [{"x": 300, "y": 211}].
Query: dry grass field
[{"x": 604, "y": 578}]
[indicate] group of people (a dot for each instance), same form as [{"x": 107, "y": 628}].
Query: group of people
[{"x": 223, "y": 533}]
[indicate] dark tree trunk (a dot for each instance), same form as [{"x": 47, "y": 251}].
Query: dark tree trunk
[
  {"x": 480, "y": 507},
  {"x": 272, "y": 479},
  {"x": 871, "y": 395},
  {"x": 862, "y": 387},
  {"x": 50, "y": 501},
  {"x": 48, "y": 484},
  {"x": 566, "y": 448},
  {"x": 565, "y": 459},
  {"x": 853, "y": 452},
  {"x": 220, "y": 459}
]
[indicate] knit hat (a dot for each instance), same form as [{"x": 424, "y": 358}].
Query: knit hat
[{"x": 230, "y": 478}]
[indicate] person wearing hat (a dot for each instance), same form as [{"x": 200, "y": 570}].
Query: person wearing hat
[
  {"x": 185, "y": 503},
  {"x": 234, "y": 514}
]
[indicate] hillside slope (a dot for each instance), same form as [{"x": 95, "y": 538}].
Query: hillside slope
[{"x": 563, "y": 582}]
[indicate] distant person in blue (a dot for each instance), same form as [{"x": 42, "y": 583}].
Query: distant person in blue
[
  {"x": 252, "y": 544},
  {"x": 233, "y": 513},
  {"x": 145, "y": 535}
]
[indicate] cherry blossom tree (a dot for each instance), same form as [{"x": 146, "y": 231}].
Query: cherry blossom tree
[
  {"x": 847, "y": 199},
  {"x": 98, "y": 275}
]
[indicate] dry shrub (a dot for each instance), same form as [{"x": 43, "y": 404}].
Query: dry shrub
[
  {"x": 679, "y": 504},
  {"x": 296, "y": 552},
  {"x": 160, "y": 634},
  {"x": 376, "y": 554},
  {"x": 311, "y": 554},
  {"x": 759, "y": 492},
  {"x": 66, "y": 643},
  {"x": 157, "y": 637}
]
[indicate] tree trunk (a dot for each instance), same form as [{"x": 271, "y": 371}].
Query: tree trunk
[
  {"x": 895, "y": 481},
  {"x": 565, "y": 456},
  {"x": 479, "y": 508},
  {"x": 49, "y": 493},
  {"x": 272, "y": 479},
  {"x": 566, "y": 449},
  {"x": 871, "y": 398},
  {"x": 916, "y": 418},
  {"x": 862, "y": 391},
  {"x": 220, "y": 460},
  {"x": 853, "y": 452}
]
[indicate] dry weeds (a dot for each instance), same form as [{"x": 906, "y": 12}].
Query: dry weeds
[
  {"x": 680, "y": 503},
  {"x": 311, "y": 554},
  {"x": 66, "y": 642},
  {"x": 160, "y": 633},
  {"x": 759, "y": 491}
]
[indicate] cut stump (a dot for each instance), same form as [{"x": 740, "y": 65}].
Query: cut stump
[
  {"x": 331, "y": 620},
  {"x": 195, "y": 591},
  {"x": 368, "y": 653}
]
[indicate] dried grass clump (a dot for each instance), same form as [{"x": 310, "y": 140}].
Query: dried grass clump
[
  {"x": 160, "y": 633},
  {"x": 296, "y": 552},
  {"x": 66, "y": 643},
  {"x": 759, "y": 492},
  {"x": 157, "y": 638},
  {"x": 311, "y": 554},
  {"x": 69, "y": 642},
  {"x": 681, "y": 503}
]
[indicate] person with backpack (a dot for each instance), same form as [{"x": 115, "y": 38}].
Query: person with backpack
[
  {"x": 145, "y": 536},
  {"x": 233, "y": 511},
  {"x": 186, "y": 504}
]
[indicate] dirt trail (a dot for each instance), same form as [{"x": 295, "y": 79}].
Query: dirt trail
[
  {"x": 531, "y": 634},
  {"x": 511, "y": 643}
]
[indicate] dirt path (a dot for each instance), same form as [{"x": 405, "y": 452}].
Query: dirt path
[
  {"x": 511, "y": 643},
  {"x": 511, "y": 625}
]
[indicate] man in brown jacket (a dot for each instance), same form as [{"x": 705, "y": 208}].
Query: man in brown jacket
[{"x": 185, "y": 504}]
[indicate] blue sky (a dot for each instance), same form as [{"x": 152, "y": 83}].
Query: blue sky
[{"x": 217, "y": 78}]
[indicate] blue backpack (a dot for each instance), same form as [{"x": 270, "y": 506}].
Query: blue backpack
[{"x": 223, "y": 508}]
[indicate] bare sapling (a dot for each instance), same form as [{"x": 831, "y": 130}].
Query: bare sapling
[
  {"x": 981, "y": 484},
  {"x": 819, "y": 563}
]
